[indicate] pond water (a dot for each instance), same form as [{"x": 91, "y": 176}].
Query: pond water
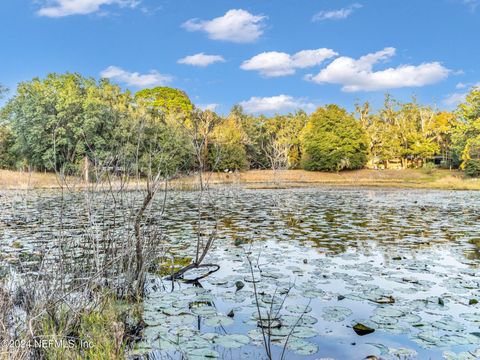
[{"x": 404, "y": 263}]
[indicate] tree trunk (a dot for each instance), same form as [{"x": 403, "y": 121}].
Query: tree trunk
[
  {"x": 139, "y": 242},
  {"x": 86, "y": 165}
]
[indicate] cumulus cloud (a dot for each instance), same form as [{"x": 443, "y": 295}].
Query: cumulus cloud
[
  {"x": 237, "y": 25},
  {"x": 358, "y": 74},
  {"x": 275, "y": 104},
  {"x": 211, "y": 107},
  {"x": 273, "y": 63},
  {"x": 60, "y": 8},
  {"x": 472, "y": 4},
  {"x": 456, "y": 98},
  {"x": 153, "y": 78},
  {"x": 338, "y": 14},
  {"x": 201, "y": 60}
]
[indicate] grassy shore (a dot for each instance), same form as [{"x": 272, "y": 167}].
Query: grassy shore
[{"x": 410, "y": 178}]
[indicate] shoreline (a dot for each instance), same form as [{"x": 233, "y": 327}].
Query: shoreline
[{"x": 437, "y": 179}]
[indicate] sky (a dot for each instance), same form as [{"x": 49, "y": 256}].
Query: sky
[{"x": 270, "y": 56}]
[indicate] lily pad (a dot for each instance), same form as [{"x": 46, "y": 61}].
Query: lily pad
[
  {"x": 302, "y": 347},
  {"x": 336, "y": 313},
  {"x": 232, "y": 341},
  {"x": 218, "y": 320}
]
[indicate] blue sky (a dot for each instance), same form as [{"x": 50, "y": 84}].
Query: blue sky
[{"x": 268, "y": 55}]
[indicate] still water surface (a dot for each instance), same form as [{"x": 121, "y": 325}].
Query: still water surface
[{"x": 323, "y": 261}]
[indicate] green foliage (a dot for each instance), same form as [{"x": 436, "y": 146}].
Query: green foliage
[
  {"x": 57, "y": 122},
  {"x": 101, "y": 328},
  {"x": 429, "y": 168},
  {"x": 8, "y": 157},
  {"x": 407, "y": 132},
  {"x": 227, "y": 150},
  {"x": 271, "y": 142},
  {"x": 467, "y": 134},
  {"x": 333, "y": 140},
  {"x": 3, "y": 91},
  {"x": 161, "y": 147},
  {"x": 63, "y": 118},
  {"x": 164, "y": 101},
  {"x": 472, "y": 168}
]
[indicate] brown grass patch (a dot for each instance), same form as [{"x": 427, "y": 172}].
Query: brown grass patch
[{"x": 409, "y": 178}]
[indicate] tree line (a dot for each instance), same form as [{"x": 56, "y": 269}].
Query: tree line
[{"x": 66, "y": 120}]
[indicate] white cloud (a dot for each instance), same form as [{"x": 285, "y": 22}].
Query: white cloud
[
  {"x": 454, "y": 99},
  {"x": 211, "y": 107},
  {"x": 274, "y": 104},
  {"x": 273, "y": 63},
  {"x": 154, "y": 78},
  {"x": 237, "y": 25},
  {"x": 336, "y": 14},
  {"x": 201, "y": 59},
  {"x": 358, "y": 75},
  {"x": 60, "y": 8},
  {"x": 472, "y": 4}
]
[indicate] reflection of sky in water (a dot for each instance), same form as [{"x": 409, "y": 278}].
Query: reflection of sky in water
[{"x": 414, "y": 245}]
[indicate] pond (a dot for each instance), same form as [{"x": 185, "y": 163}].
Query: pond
[{"x": 404, "y": 263}]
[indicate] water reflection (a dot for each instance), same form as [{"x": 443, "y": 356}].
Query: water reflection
[{"x": 354, "y": 245}]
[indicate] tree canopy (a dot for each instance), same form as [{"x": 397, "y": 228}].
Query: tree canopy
[
  {"x": 164, "y": 100},
  {"x": 333, "y": 140},
  {"x": 63, "y": 120}
]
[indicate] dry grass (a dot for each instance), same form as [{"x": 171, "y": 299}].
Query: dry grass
[
  {"x": 27, "y": 180},
  {"x": 410, "y": 178}
]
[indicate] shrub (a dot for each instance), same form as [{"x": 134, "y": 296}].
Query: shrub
[
  {"x": 472, "y": 168},
  {"x": 227, "y": 150},
  {"x": 333, "y": 140},
  {"x": 228, "y": 157},
  {"x": 429, "y": 168},
  {"x": 7, "y": 142}
]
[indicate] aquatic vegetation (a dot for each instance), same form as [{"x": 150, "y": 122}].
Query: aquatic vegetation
[{"x": 400, "y": 263}]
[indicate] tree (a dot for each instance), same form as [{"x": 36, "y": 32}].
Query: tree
[
  {"x": 407, "y": 132},
  {"x": 254, "y": 130},
  {"x": 383, "y": 142},
  {"x": 281, "y": 141},
  {"x": 471, "y": 157},
  {"x": 63, "y": 119},
  {"x": 467, "y": 135},
  {"x": 333, "y": 140},
  {"x": 227, "y": 149},
  {"x": 160, "y": 146},
  {"x": 7, "y": 141},
  {"x": 442, "y": 129},
  {"x": 165, "y": 101},
  {"x": 7, "y": 152}
]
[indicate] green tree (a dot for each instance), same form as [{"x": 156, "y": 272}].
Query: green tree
[
  {"x": 281, "y": 141},
  {"x": 64, "y": 118},
  {"x": 407, "y": 132},
  {"x": 7, "y": 141},
  {"x": 164, "y": 101},
  {"x": 254, "y": 131},
  {"x": 227, "y": 150},
  {"x": 333, "y": 140},
  {"x": 7, "y": 153},
  {"x": 157, "y": 145},
  {"x": 466, "y": 138}
]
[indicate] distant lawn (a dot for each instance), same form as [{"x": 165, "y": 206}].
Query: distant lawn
[
  {"x": 25, "y": 180},
  {"x": 409, "y": 178}
]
